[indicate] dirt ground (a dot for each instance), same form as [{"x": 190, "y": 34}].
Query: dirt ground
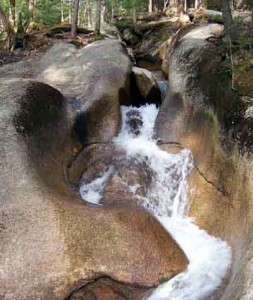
[{"x": 37, "y": 43}]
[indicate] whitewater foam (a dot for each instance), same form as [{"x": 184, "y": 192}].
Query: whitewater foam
[
  {"x": 92, "y": 192},
  {"x": 209, "y": 257},
  {"x": 166, "y": 198}
]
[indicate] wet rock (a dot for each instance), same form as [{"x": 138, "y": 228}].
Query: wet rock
[
  {"x": 106, "y": 289},
  {"x": 220, "y": 187},
  {"x": 134, "y": 121},
  {"x": 129, "y": 182},
  {"x": 52, "y": 243},
  {"x": 146, "y": 85},
  {"x": 117, "y": 192}
]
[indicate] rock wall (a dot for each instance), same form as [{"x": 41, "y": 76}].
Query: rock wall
[{"x": 198, "y": 114}]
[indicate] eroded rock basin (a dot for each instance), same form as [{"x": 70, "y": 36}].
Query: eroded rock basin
[
  {"x": 53, "y": 243},
  {"x": 80, "y": 250},
  {"x": 157, "y": 180}
]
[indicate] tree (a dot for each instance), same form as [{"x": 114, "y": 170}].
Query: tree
[
  {"x": 10, "y": 41},
  {"x": 13, "y": 11},
  {"x": 181, "y": 7},
  {"x": 134, "y": 13},
  {"x": 250, "y": 5},
  {"x": 228, "y": 19},
  {"x": 31, "y": 9},
  {"x": 62, "y": 11},
  {"x": 98, "y": 17},
  {"x": 70, "y": 10},
  {"x": 47, "y": 12},
  {"x": 150, "y": 6},
  {"x": 104, "y": 11},
  {"x": 88, "y": 13},
  {"x": 75, "y": 18}
]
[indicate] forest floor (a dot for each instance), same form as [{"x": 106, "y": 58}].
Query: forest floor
[{"x": 38, "y": 42}]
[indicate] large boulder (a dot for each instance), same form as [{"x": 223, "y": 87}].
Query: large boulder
[
  {"x": 145, "y": 86},
  {"x": 26, "y": 68},
  {"x": 190, "y": 73},
  {"x": 95, "y": 79},
  {"x": 52, "y": 243},
  {"x": 195, "y": 115}
]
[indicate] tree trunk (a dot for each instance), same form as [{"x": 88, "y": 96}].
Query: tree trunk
[
  {"x": 150, "y": 6},
  {"x": 75, "y": 18},
  {"x": 165, "y": 3},
  {"x": 80, "y": 14},
  {"x": 181, "y": 11},
  {"x": 251, "y": 24},
  {"x": 98, "y": 17},
  {"x": 196, "y": 4},
  {"x": 228, "y": 19},
  {"x": 10, "y": 42},
  {"x": 134, "y": 14},
  {"x": 31, "y": 8},
  {"x": 103, "y": 11},
  {"x": 70, "y": 12},
  {"x": 13, "y": 11},
  {"x": 112, "y": 14},
  {"x": 62, "y": 11},
  {"x": 88, "y": 13},
  {"x": 185, "y": 6}
]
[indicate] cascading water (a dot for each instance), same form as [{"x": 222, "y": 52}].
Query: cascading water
[
  {"x": 92, "y": 191},
  {"x": 166, "y": 198}
]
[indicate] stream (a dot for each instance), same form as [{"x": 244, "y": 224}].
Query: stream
[{"x": 166, "y": 198}]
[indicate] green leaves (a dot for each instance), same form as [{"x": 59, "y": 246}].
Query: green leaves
[
  {"x": 48, "y": 12},
  {"x": 127, "y": 5},
  {"x": 51, "y": 12}
]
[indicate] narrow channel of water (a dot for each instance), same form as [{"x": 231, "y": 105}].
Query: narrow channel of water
[{"x": 166, "y": 198}]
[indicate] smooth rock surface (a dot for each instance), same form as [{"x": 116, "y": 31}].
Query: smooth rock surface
[
  {"x": 51, "y": 242},
  {"x": 220, "y": 187},
  {"x": 147, "y": 86},
  {"x": 95, "y": 79}
]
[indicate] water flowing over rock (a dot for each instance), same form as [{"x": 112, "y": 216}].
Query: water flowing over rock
[
  {"x": 165, "y": 196},
  {"x": 196, "y": 114},
  {"x": 52, "y": 243}
]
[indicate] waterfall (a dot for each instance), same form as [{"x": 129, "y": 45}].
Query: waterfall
[{"x": 166, "y": 198}]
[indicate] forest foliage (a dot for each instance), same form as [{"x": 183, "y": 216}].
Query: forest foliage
[
  {"x": 49, "y": 12},
  {"x": 16, "y": 16}
]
